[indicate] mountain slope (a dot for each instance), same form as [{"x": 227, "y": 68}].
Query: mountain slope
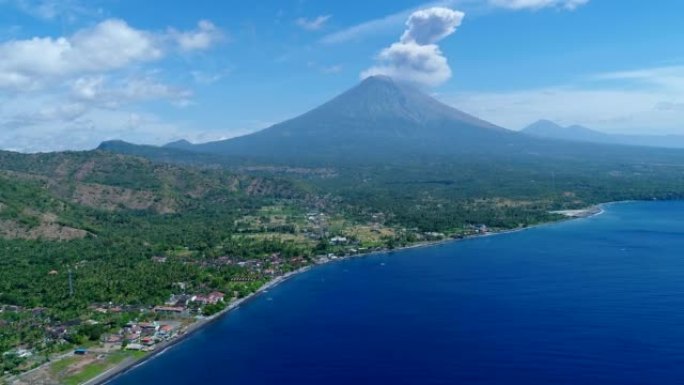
[
  {"x": 375, "y": 120},
  {"x": 51, "y": 196}
]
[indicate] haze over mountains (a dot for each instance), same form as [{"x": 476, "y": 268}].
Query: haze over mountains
[{"x": 550, "y": 130}]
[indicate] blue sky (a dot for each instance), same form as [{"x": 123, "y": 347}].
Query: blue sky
[{"x": 74, "y": 73}]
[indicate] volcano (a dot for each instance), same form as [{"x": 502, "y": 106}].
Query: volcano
[{"x": 376, "y": 119}]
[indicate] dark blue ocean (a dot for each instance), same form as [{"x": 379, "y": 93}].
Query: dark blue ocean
[{"x": 590, "y": 301}]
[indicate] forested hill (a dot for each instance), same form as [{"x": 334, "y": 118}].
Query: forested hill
[
  {"x": 109, "y": 214},
  {"x": 54, "y": 195},
  {"x": 81, "y": 231}
]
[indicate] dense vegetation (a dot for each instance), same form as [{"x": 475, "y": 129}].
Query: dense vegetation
[
  {"x": 105, "y": 217},
  {"x": 127, "y": 226},
  {"x": 101, "y": 218}
]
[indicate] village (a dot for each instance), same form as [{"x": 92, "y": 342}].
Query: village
[
  {"x": 112, "y": 334},
  {"x": 115, "y": 333},
  {"x": 151, "y": 330}
]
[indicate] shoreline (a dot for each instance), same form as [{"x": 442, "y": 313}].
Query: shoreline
[
  {"x": 124, "y": 367},
  {"x": 110, "y": 374},
  {"x": 581, "y": 213}
]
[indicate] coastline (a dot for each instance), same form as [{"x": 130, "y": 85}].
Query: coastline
[
  {"x": 124, "y": 367},
  {"x": 105, "y": 377},
  {"x": 581, "y": 213}
]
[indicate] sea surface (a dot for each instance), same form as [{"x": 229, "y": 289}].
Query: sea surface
[{"x": 590, "y": 301}]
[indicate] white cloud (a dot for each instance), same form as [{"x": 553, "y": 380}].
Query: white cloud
[
  {"x": 47, "y": 122},
  {"x": 88, "y": 88},
  {"x": 202, "y": 38},
  {"x": 94, "y": 109},
  {"x": 72, "y": 92},
  {"x": 413, "y": 63},
  {"x": 313, "y": 24},
  {"x": 381, "y": 25},
  {"x": 428, "y": 26},
  {"x": 53, "y": 113},
  {"x": 416, "y": 58},
  {"x": 570, "y": 5},
  {"x": 145, "y": 88},
  {"x": 643, "y": 101},
  {"x": 109, "y": 45},
  {"x": 102, "y": 91}
]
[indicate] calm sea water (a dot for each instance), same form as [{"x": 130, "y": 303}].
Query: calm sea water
[{"x": 592, "y": 301}]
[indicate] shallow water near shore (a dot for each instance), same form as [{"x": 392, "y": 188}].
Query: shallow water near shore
[{"x": 592, "y": 301}]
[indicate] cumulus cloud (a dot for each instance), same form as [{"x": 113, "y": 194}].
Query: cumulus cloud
[
  {"x": 416, "y": 58},
  {"x": 75, "y": 91},
  {"x": 105, "y": 92},
  {"x": 312, "y": 24},
  {"x": 413, "y": 63},
  {"x": 88, "y": 88},
  {"x": 428, "y": 26},
  {"x": 96, "y": 109},
  {"x": 201, "y": 38},
  {"x": 570, "y": 5},
  {"x": 49, "y": 122},
  {"x": 109, "y": 45}
]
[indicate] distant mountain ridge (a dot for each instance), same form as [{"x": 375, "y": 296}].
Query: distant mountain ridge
[
  {"x": 551, "y": 130},
  {"x": 174, "y": 152}
]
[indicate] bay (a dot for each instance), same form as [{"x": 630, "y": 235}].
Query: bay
[{"x": 591, "y": 301}]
